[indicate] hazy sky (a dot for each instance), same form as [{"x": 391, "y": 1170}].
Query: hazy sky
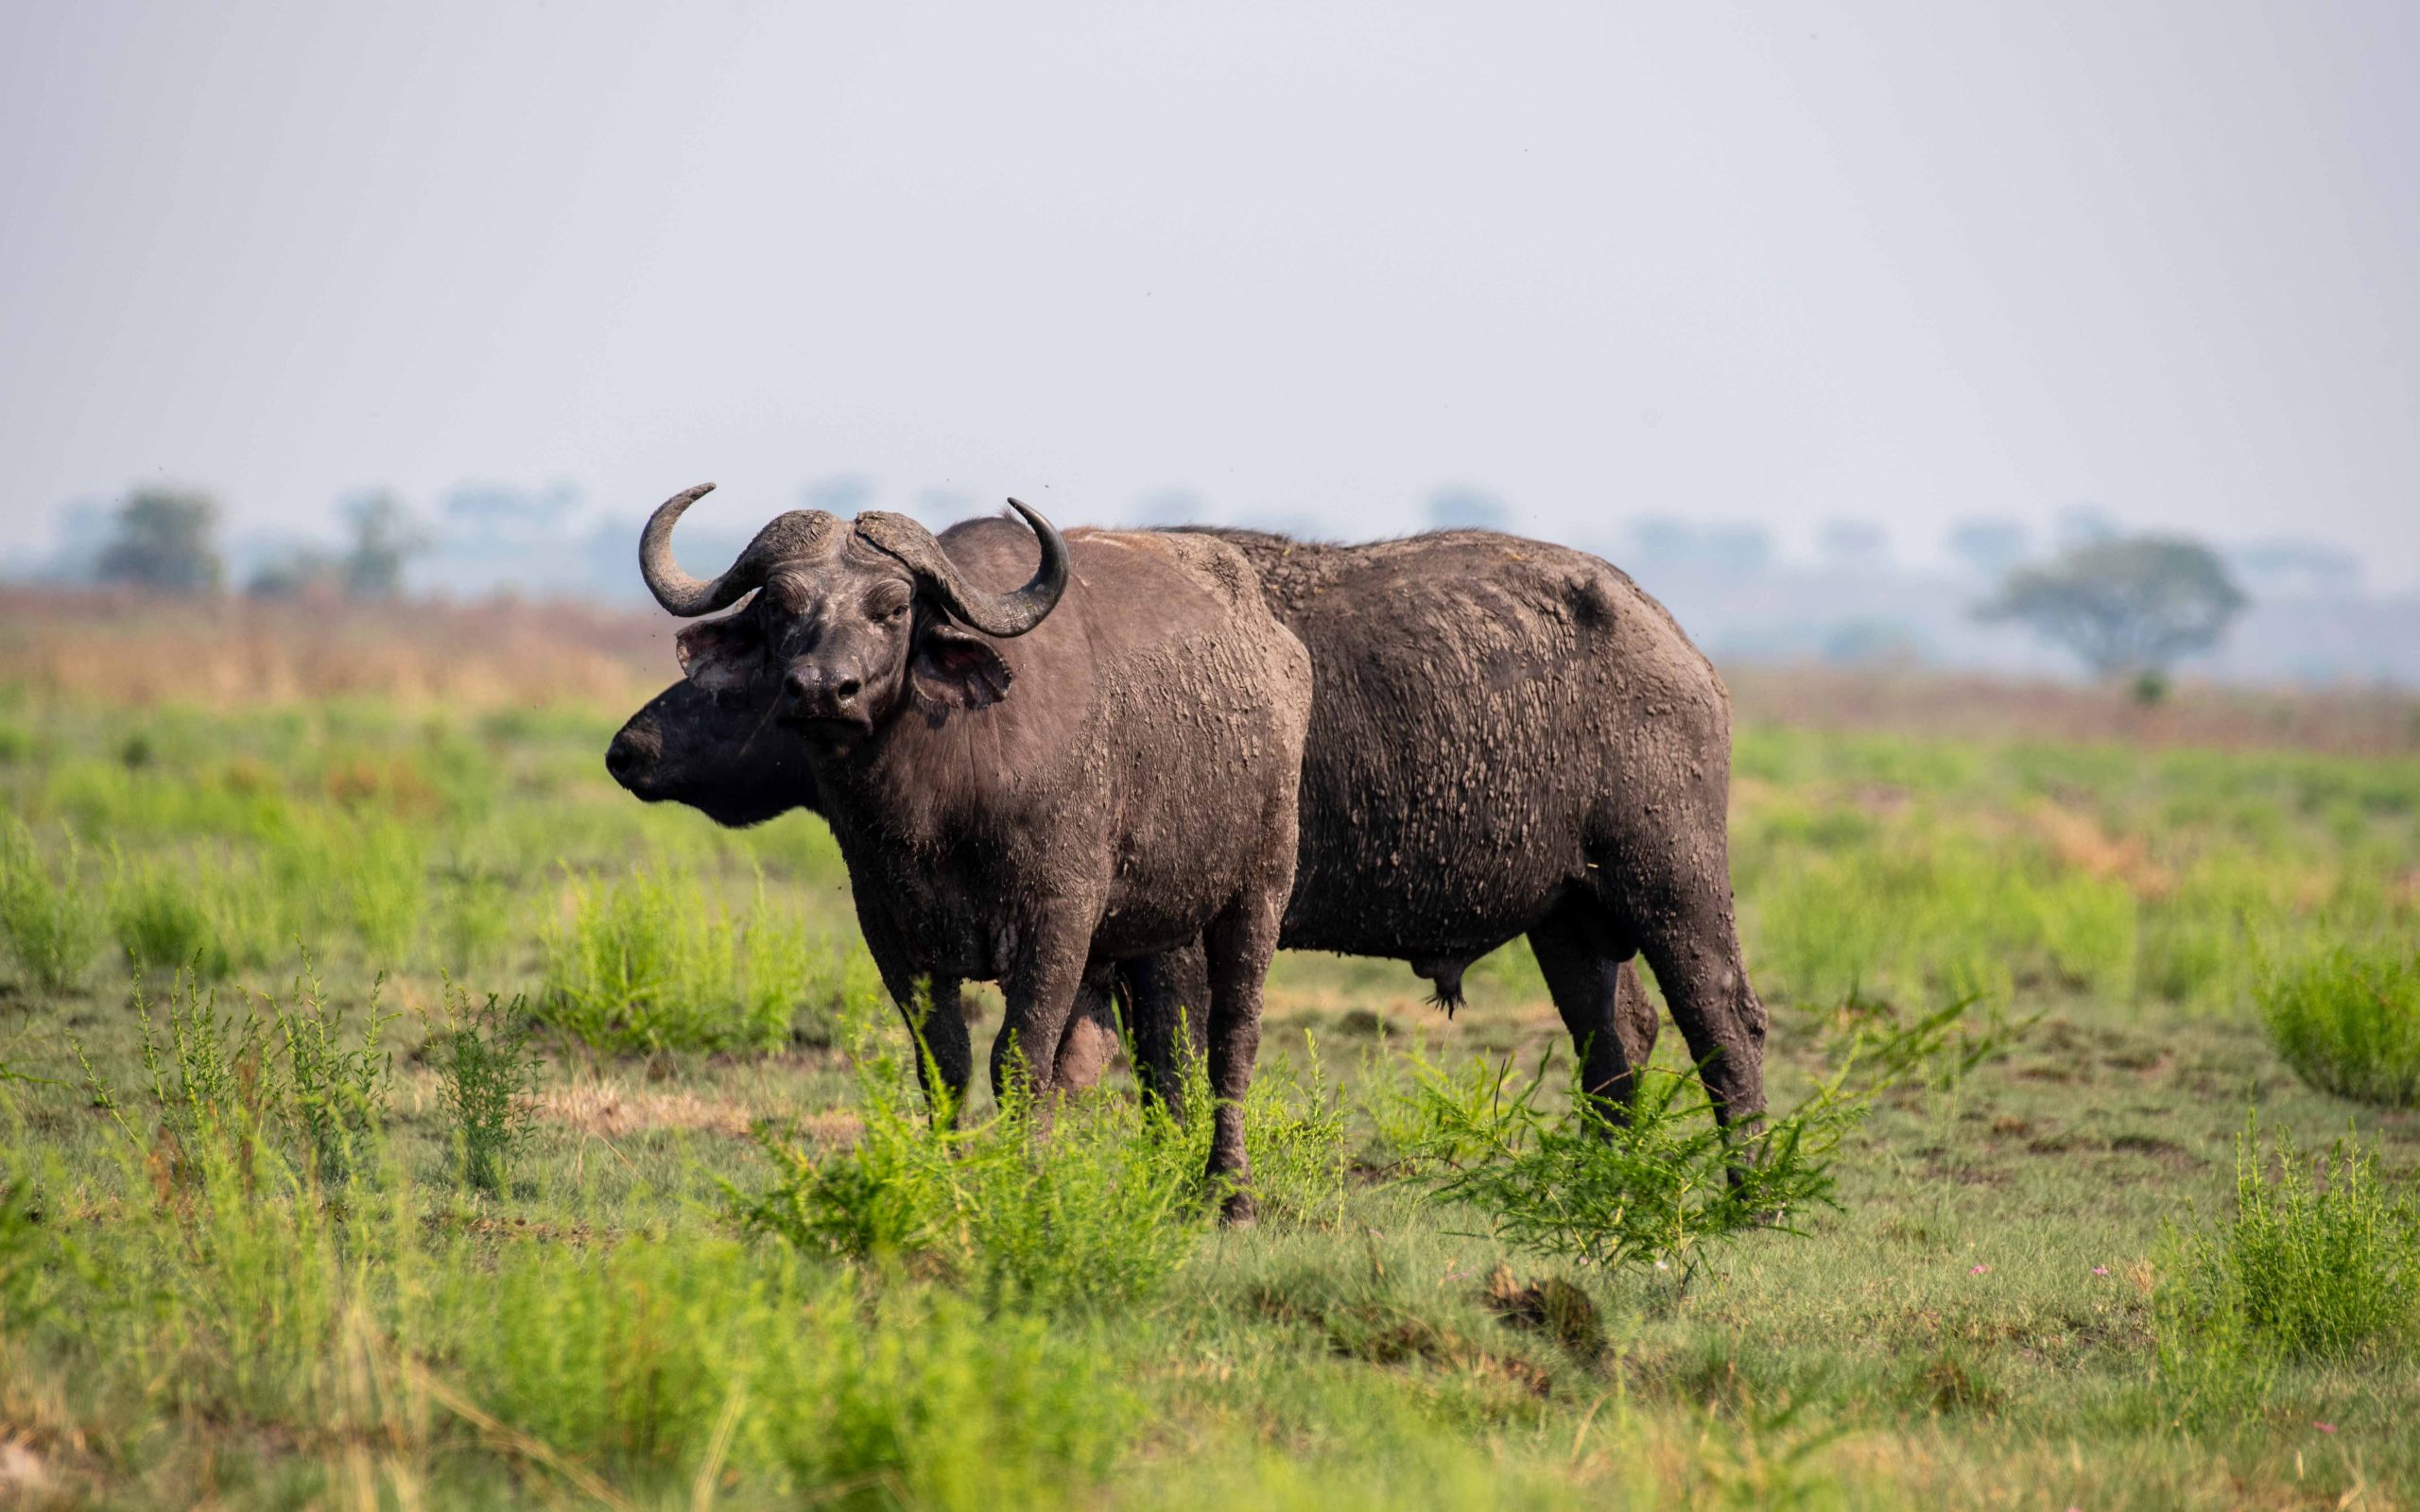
[{"x": 1781, "y": 262}]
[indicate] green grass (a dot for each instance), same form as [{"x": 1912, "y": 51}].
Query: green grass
[
  {"x": 46, "y": 922},
  {"x": 2349, "y": 1020},
  {"x": 272, "y": 1267},
  {"x": 651, "y": 962}
]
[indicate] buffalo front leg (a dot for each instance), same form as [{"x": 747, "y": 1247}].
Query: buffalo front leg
[
  {"x": 936, "y": 1021},
  {"x": 931, "y": 1008},
  {"x": 1041, "y": 989}
]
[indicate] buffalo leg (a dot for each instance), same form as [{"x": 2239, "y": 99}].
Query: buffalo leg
[
  {"x": 936, "y": 1021},
  {"x": 1041, "y": 989},
  {"x": 1240, "y": 945},
  {"x": 1690, "y": 938},
  {"x": 1601, "y": 999},
  {"x": 1090, "y": 1036},
  {"x": 1167, "y": 1005}
]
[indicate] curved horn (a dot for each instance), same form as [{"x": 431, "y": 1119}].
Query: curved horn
[
  {"x": 1000, "y": 614},
  {"x": 674, "y": 589},
  {"x": 797, "y": 533}
]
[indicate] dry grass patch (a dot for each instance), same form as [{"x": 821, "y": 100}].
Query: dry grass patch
[{"x": 610, "y": 1109}]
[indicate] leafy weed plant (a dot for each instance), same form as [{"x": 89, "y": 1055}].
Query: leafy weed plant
[
  {"x": 1653, "y": 1183},
  {"x": 485, "y": 1073},
  {"x": 221, "y": 1084},
  {"x": 2319, "y": 1262},
  {"x": 1657, "y": 1180}
]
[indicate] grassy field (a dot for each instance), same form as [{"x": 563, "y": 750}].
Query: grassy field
[{"x": 313, "y": 1226}]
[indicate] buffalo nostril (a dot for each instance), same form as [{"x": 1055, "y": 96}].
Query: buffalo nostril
[{"x": 846, "y": 689}]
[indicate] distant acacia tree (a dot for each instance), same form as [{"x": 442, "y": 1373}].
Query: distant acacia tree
[
  {"x": 384, "y": 539},
  {"x": 164, "y": 538},
  {"x": 2127, "y": 606}
]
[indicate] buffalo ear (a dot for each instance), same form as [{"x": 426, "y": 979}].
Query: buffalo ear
[
  {"x": 956, "y": 670},
  {"x": 722, "y": 654}
]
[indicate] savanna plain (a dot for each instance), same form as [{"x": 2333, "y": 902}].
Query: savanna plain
[{"x": 393, "y": 1112}]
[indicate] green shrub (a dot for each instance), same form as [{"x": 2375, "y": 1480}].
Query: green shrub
[
  {"x": 2318, "y": 1263},
  {"x": 1294, "y": 1135},
  {"x": 484, "y": 1075},
  {"x": 162, "y": 924},
  {"x": 1652, "y": 1187},
  {"x": 644, "y": 963},
  {"x": 51, "y": 931},
  {"x": 2349, "y": 1020}
]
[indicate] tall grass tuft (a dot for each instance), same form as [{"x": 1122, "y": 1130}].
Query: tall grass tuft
[
  {"x": 1098, "y": 1211},
  {"x": 51, "y": 932},
  {"x": 2319, "y": 1261},
  {"x": 646, "y": 963},
  {"x": 2349, "y": 1020},
  {"x": 162, "y": 924},
  {"x": 336, "y": 1082},
  {"x": 485, "y": 1073}
]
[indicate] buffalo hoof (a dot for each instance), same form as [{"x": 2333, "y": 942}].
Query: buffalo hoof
[{"x": 1238, "y": 1210}]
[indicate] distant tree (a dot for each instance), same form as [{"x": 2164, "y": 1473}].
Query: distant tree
[
  {"x": 384, "y": 539},
  {"x": 164, "y": 538},
  {"x": 2128, "y": 606}
]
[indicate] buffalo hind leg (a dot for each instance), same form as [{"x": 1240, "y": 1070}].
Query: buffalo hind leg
[
  {"x": 1596, "y": 988},
  {"x": 1689, "y": 937},
  {"x": 1239, "y": 944},
  {"x": 1090, "y": 1038}
]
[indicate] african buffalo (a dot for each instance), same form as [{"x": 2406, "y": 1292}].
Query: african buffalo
[
  {"x": 1441, "y": 658},
  {"x": 1028, "y": 782}
]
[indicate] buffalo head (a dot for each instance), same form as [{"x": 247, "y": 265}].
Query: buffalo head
[{"x": 850, "y": 622}]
